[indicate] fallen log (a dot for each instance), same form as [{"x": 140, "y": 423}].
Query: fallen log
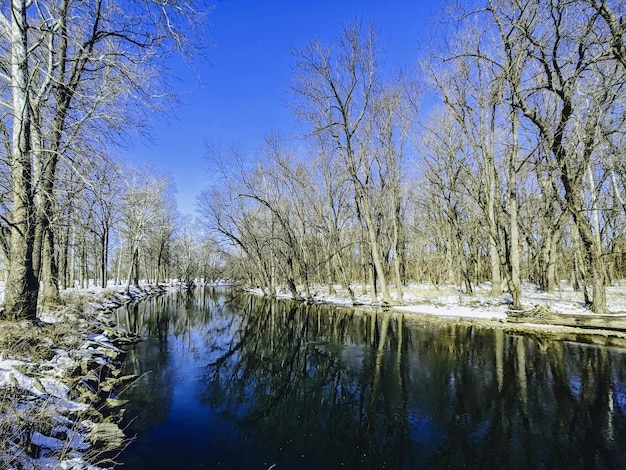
[{"x": 542, "y": 315}]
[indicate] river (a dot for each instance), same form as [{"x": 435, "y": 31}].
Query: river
[{"x": 229, "y": 380}]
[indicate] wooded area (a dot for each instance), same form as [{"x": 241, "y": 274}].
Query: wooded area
[
  {"x": 517, "y": 173},
  {"x": 77, "y": 78},
  {"x": 501, "y": 159}
]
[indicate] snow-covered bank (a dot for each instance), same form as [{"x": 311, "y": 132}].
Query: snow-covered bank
[
  {"x": 59, "y": 383},
  {"x": 449, "y": 302}
]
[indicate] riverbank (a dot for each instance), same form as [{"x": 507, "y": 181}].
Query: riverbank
[
  {"x": 59, "y": 383},
  {"x": 559, "y": 313}
]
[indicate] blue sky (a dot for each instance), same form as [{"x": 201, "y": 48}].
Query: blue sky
[{"x": 245, "y": 93}]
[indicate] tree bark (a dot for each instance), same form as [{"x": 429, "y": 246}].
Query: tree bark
[
  {"x": 104, "y": 252},
  {"x": 22, "y": 286},
  {"x": 515, "y": 281}
]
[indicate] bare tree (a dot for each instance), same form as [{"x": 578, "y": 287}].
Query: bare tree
[
  {"x": 335, "y": 216},
  {"x": 71, "y": 62},
  {"x": 104, "y": 185},
  {"x": 147, "y": 202},
  {"x": 336, "y": 86},
  {"x": 186, "y": 250},
  {"x": 470, "y": 94},
  {"x": 613, "y": 15},
  {"x": 446, "y": 170},
  {"x": 561, "y": 78},
  {"x": 249, "y": 230},
  {"x": 391, "y": 120}
]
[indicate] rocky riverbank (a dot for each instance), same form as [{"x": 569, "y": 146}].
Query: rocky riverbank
[{"x": 60, "y": 383}]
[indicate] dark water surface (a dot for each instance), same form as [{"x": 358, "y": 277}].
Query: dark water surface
[{"x": 234, "y": 381}]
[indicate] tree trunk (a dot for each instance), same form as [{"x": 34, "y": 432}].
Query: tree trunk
[
  {"x": 371, "y": 280},
  {"x": 396, "y": 244},
  {"x": 494, "y": 254},
  {"x": 396, "y": 267},
  {"x": 84, "y": 270},
  {"x": 515, "y": 282},
  {"x": 592, "y": 254},
  {"x": 133, "y": 266},
  {"x": 50, "y": 271},
  {"x": 63, "y": 252},
  {"x": 22, "y": 286},
  {"x": 71, "y": 263},
  {"x": 104, "y": 252},
  {"x": 374, "y": 243},
  {"x": 158, "y": 277},
  {"x": 546, "y": 268}
]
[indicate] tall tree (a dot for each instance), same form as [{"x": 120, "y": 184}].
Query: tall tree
[
  {"x": 148, "y": 202},
  {"x": 72, "y": 62},
  {"x": 22, "y": 285},
  {"x": 336, "y": 86},
  {"x": 391, "y": 119},
  {"x": 104, "y": 184},
  {"x": 469, "y": 91},
  {"x": 559, "y": 67}
]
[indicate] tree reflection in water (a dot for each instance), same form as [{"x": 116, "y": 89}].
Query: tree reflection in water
[{"x": 307, "y": 386}]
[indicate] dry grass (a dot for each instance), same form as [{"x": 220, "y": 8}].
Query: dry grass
[
  {"x": 38, "y": 342},
  {"x": 24, "y": 414},
  {"x": 21, "y": 417}
]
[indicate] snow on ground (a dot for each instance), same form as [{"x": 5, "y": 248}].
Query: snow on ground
[
  {"x": 453, "y": 311},
  {"x": 481, "y": 305},
  {"x": 44, "y": 402},
  {"x": 448, "y": 301}
]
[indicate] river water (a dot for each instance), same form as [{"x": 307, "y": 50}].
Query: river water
[{"x": 234, "y": 381}]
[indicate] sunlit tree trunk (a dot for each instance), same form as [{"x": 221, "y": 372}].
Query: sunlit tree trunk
[
  {"x": 104, "y": 253},
  {"x": 515, "y": 281},
  {"x": 491, "y": 177},
  {"x": 22, "y": 285}
]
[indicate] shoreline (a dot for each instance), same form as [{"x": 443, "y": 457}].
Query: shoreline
[
  {"x": 550, "y": 315},
  {"x": 60, "y": 382}
]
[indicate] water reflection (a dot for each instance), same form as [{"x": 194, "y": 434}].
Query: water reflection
[{"x": 242, "y": 382}]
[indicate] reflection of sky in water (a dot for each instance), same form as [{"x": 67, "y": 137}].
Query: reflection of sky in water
[
  {"x": 422, "y": 429},
  {"x": 575, "y": 386}
]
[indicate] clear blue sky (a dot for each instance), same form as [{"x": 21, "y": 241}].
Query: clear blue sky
[{"x": 246, "y": 92}]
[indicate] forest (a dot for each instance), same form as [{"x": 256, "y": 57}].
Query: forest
[
  {"x": 78, "y": 80},
  {"x": 515, "y": 174},
  {"x": 499, "y": 159}
]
